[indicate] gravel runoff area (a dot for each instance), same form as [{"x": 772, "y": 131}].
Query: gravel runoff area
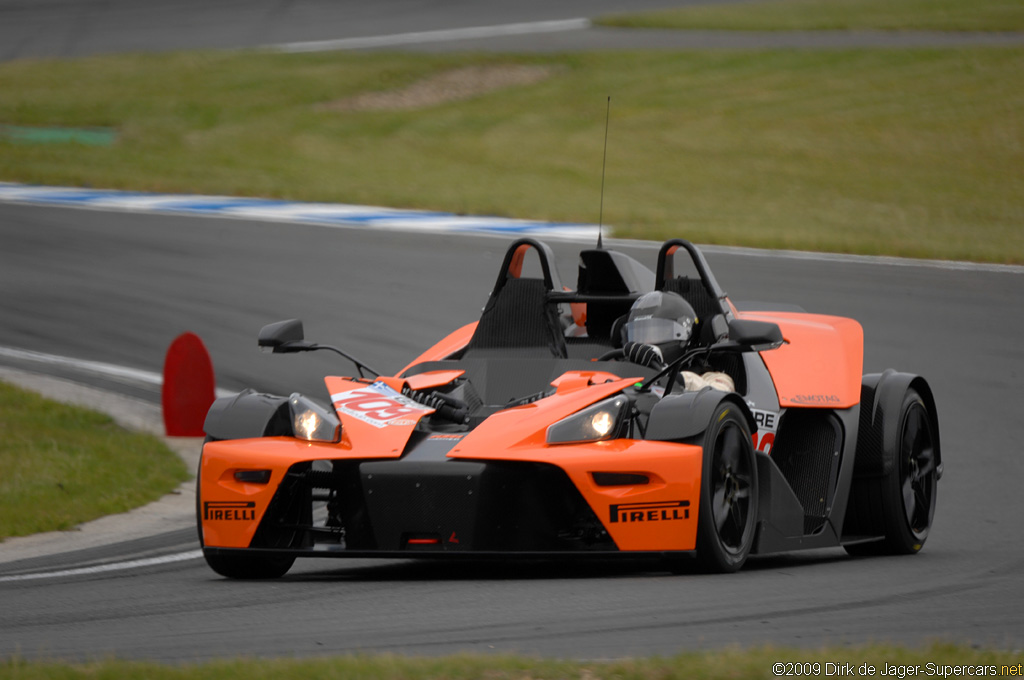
[{"x": 174, "y": 511}]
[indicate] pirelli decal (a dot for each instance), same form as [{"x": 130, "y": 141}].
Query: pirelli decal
[
  {"x": 229, "y": 510},
  {"x": 662, "y": 511}
]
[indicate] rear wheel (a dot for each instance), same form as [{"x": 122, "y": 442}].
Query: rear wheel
[
  {"x": 901, "y": 504},
  {"x": 728, "y": 499}
]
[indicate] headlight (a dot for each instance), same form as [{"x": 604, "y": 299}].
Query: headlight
[
  {"x": 312, "y": 422},
  {"x": 595, "y": 423}
]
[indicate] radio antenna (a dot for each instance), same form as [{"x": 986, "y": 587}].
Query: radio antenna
[{"x": 604, "y": 164}]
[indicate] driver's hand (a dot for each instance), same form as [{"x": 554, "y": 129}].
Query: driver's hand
[{"x": 644, "y": 355}]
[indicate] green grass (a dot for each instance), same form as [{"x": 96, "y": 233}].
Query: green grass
[
  {"x": 63, "y": 465},
  {"x": 795, "y": 15},
  {"x": 719, "y": 665},
  {"x": 901, "y": 152}
]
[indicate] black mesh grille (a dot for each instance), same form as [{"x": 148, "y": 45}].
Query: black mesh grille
[
  {"x": 451, "y": 506},
  {"x": 806, "y": 452}
]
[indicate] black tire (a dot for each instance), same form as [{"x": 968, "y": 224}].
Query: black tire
[
  {"x": 249, "y": 566},
  {"x": 900, "y": 505},
  {"x": 728, "y": 499}
]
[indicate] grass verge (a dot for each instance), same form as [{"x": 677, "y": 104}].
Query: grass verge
[
  {"x": 64, "y": 465},
  {"x": 807, "y": 15},
  {"x": 901, "y": 152},
  {"x": 947, "y": 660}
]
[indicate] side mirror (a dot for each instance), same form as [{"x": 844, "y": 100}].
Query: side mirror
[
  {"x": 755, "y": 336},
  {"x": 284, "y": 336},
  {"x": 719, "y": 328}
]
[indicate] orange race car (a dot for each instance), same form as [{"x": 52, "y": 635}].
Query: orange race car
[{"x": 640, "y": 414}]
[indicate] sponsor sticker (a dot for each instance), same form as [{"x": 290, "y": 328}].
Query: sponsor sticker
[
  {"x": 379, "y": 405},
  {"x": 231, "y": 511},
  {"x": 818, "y": 399},
  {"x": 767, "y": 426},
  {"x": 658, "y": 511}
]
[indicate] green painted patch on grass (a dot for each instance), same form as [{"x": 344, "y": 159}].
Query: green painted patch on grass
[
  {"x": 898, "y": 152},
  {"x": 806, "y": 15},
  {"x": 58, "y": 135},
  {"x": 62, "y": 465}
]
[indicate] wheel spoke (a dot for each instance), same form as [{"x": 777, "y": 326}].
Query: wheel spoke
[
  {"x": 731, "y": 446},
  {"x": 924, "y": 452},
  {"x": 925, "y": 465},
  {"x": 909, "y": 501},
  {"x": 743, "y": 484},
  {"x": 910, "y": 430},
  {"x": 720, "y": 509},
  {"x": 739, "y": 520},
  {"x": 922, "y": 503}
]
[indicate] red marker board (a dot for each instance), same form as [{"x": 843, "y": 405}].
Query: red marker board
[{"x": 188, "y": 388}]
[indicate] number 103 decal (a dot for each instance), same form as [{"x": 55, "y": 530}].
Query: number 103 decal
[{"x": 378, "y": 405}]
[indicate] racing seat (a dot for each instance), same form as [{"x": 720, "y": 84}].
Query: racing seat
[
  {"x": 700, "y": 292},
  {"x": 705, "y": 296},
  {"x": 518, "y": 320},
  {"x": 703, "y": 304},
  {"x": 616, "y": 281}
]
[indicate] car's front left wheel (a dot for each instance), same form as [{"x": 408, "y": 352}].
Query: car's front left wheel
[{"x": 728, "y": 502}]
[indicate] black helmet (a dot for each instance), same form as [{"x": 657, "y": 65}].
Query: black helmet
[{"x": 662, "y": 319}]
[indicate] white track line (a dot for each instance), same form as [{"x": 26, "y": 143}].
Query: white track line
[
  {"x": 94, "y": 367},
  {"x": 98, "y": 368},
  {"x": 445, "y": 35},
  {"x": 103, "y": 568}
]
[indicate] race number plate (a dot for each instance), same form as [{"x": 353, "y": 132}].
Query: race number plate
[{"x": 379, "y": 405}]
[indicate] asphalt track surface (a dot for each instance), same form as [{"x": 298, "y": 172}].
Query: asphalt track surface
[
  {"x": 117, "y": 288},
  {"x": 75, "y": 28},
  {"x": 31, "y": 29}
]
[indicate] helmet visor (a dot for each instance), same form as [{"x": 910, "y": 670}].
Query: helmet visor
[{"x": 653, "y": 331}]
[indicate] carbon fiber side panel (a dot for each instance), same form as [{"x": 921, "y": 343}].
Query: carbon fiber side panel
[{"x": 869, "y": 444}]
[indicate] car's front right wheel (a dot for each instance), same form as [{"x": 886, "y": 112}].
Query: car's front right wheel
[
  {"x": 249, "y": 566},
  {"x": 243, "y": 565}
]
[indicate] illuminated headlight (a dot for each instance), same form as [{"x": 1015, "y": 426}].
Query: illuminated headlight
[
  {"x": 601, "y": 421},
  {"x": 312, "y": 422}
]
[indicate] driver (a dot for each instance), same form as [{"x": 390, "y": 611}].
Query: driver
[
  {"x": 658, "y": 328},
  {"x": 657, "y": 331}
]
